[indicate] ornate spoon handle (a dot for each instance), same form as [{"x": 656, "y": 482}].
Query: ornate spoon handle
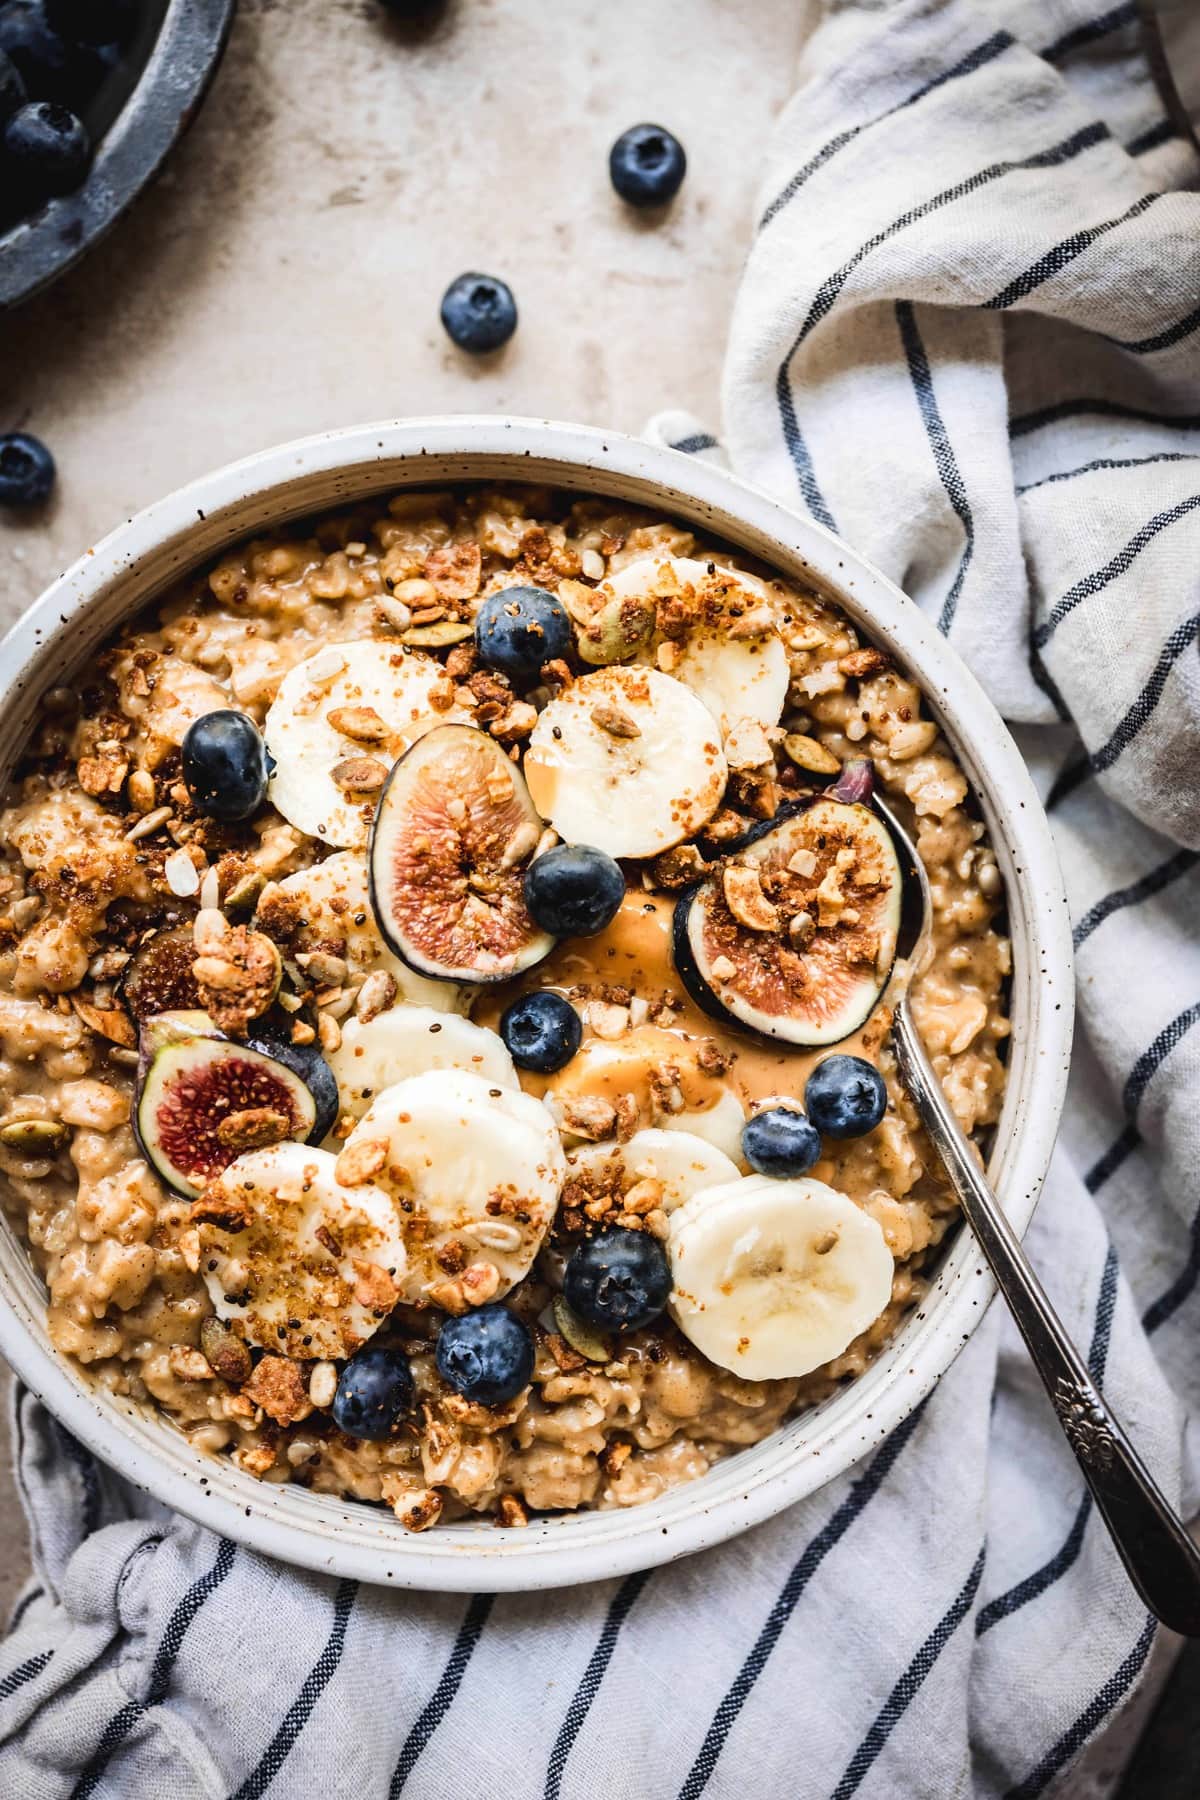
[{"x": 1159, "y": 1556}]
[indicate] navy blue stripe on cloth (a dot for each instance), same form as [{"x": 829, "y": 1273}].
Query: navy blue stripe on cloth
[
  {"x": 593, "y": 1675},
  {"x": 1054, "y": 261},
  {"x": 1110, "y": 462},
  {"x": 1114, "y": 568},
  {"x": 23, "y": 1605},
  {"x": 1150, "y": 139},
  {"x": 1151, "y": 1061},
  {"x": 1115, "y": 19},
  {"x": 124, "y": 1720},
  {"x": 1118, "y": 1152},
  {"x": 301, "y": 1709},
  {"x": 977, "y": 58},
  {"x": 1142, "y": 710},
  {"x": 1037, "y": 1583},
  {"x": 442, "y": 1698},
  {"x": 28, "y": 1671},
  {"x": 85, "y": 1466},
  {"x": 1181, "y": 1289},
  {"x": 1093, "y": 1714},
  {"x": 1023, "y": 423},
  {"x": 1069, "y": 777},
  {"x": 1150, "y": 884},
  {"x": 944, "y": 458},
  {"x": 1161, "y": 340},
  {"x": 909, "y": 1684},
  {"x": 861, "y": 1493},
  {"x": 692, "y": 446},
  {"x": 798, "y": 450}
]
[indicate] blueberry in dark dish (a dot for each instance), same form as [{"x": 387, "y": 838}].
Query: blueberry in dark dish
[
  {"x": 225, "y": 765},
  {"x": 541, "y": 1031},
  {"x": 51, "y": 67},
  {"x": 46, "y": 150},
  {"x": 92, "y": 21},
  {"x": 647, "y": 165},
  {"x": 618, "y": 1279},
  {"x": 486, "y": 1355},
  {"x": 479, "y": 312},
  {"x": 573, "y": 890},
  {"x": 845, "y": 1097},
  {"x": 26, "y": 470},
  {"x": 781, "y": 1142},
  {"x": 12, "y": 88},
  {"x": 520, "y": 629},
  {"x": 374, "y": 1393}
]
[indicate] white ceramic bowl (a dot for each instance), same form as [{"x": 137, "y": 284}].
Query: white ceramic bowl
[{"x": 55, "y": 640}]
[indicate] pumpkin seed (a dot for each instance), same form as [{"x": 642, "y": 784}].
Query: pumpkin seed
[
  {"x": 620, "y": 627},
  {"x": 34, "y": 1137},
  {"x": 439, "y": 634},
  {"x": 581, "y": 1336}
]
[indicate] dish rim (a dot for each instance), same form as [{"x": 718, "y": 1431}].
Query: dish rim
[{"x": 186, "y": 529}]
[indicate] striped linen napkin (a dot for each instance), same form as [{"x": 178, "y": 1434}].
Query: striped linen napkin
[{"x": 968, "y": 338}]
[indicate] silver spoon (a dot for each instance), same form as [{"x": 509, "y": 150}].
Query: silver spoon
[{"x": 1160, "y": 1558}]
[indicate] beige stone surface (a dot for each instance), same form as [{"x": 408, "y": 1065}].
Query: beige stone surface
[{"x": 285, "y": 275}]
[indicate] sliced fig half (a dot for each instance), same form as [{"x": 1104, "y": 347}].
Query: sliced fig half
[
  {"x": 205, "y": 1100},
  {"x": 454, "y": 829},
  {"x": 795, "y": 936},
  {"x": 159, "y": 979}
]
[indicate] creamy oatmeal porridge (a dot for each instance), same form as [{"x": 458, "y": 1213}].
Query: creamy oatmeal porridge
[{"x": 445, "y": 959}]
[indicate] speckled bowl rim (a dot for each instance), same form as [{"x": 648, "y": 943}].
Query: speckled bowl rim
[{"x": 347, "y": 1539}]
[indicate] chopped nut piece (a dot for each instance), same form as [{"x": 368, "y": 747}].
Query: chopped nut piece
[
  {"x": 362, "y": 723},
  {"x": 277, "y": 1385},
  {"x": 256, "y": 1126},
  {"x": 142, "y": 792},
  {"x": 377, "y": 993},
  {"x": 801, "y": 928},
  {"x": 808, "y": 754},
  {"x": 229, "y": 1356},
  {"x": 745, "y": 899},
  {"x": 615, "y": 721},
  {"x": 723, "y": 969},
  {"x": 588, "y": 1116},
  {"x": 218, "y": 1206},
  {"x": 359, "y": 1162},
  {"x": 322, "y": 1384},
  {"x": 746, "y": 746},
  {"x": 517, "y": 722},
  {"x": 98, "y": 775},
  {"x": 644, "y": 1196},
  {"x": 210, "y": 930},
  {"x": 255, "y": 1459},
  {"x": 607, "y": 1021},
  {"x": 679, "y": 867},
  {"x": 754, "y": 624},
  {"x": 374, "y": 1287},
  {"x": 510, "y": 1511},
  {"x": 479, "y": 1282},
  {"x": 803, "y": 863},
  {"x": 359, "y": 775},
  {"x": 863, "y": 662},
  {"x": 189, "y": 1365},
  {"x": 456, "y": 570},
  {"x": 522, "y": 843},
  {"x": 418, "y": 1509},
  {"x": 614, "y": 1458}
]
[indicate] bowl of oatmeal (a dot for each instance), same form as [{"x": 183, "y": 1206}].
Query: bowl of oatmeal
[{"x": 448, "y": 1128}]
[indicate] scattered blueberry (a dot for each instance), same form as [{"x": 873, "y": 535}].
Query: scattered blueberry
[
  {"x": 26, "y": 470},
  {"x": 618, "y": 1280},
  {"x": 50, "y": 67},
  {"x": 374, "y": 1393},
  {"x": 647, "y": 165},
  {"x": 520, "y": 628},
  {"x": 573, "y": 890},
  {"x": 781, "y": 1142},
  {"x": 845, "y": 1097},
  {"x": 12, "y": 88},
  {"x": 46, "y": 149},
  {"x": 542, "y": 1032},
  {"x": 92, "y": 21},
  {"x": 225, "y": 765},
  {"x": 486, "y": 1355},
  {"x": 479, "y": 312}
]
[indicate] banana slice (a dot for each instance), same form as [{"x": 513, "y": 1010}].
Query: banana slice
[
  {"x": 339, "y": 721},
  {"x": 337, "y": 918},
  {"x": 737, "y": 677},
  {"x": 720, "y": 1125},
  {"x": 626, "y": 760},
  {"x": 310, "y": 1267},
  {"x": 675, "y": 1163},
  {"x": 475, "y": 1171},
  {"x": 376, "y": 1053},
  {"x": 774, "y": 1278}
]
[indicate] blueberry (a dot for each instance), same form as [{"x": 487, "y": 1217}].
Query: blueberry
[
  {"x": 225, "y": 765},
  {"x": 520, "y": 628},
  {"x": 374, "y": 1393},
  {"x": 92, "y": 21},
  {"x": 12, "y": 88},
  {"x": 26, "y": 470},
  {"x": 51, "y": 68},
  {"x": 486, "y": 1355},
  {"x": 542, "y": 1032},
  {"x": 780, "y": 1142},
  {"x": 647, "y": 165},
  {"x": 46, "y": 149},
  {"x": 479, "y": 312},
  {"x": 574, "y": 891},
  {"x": 845, "y": 1097},
  {"x": 618, "y": 1280}
]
